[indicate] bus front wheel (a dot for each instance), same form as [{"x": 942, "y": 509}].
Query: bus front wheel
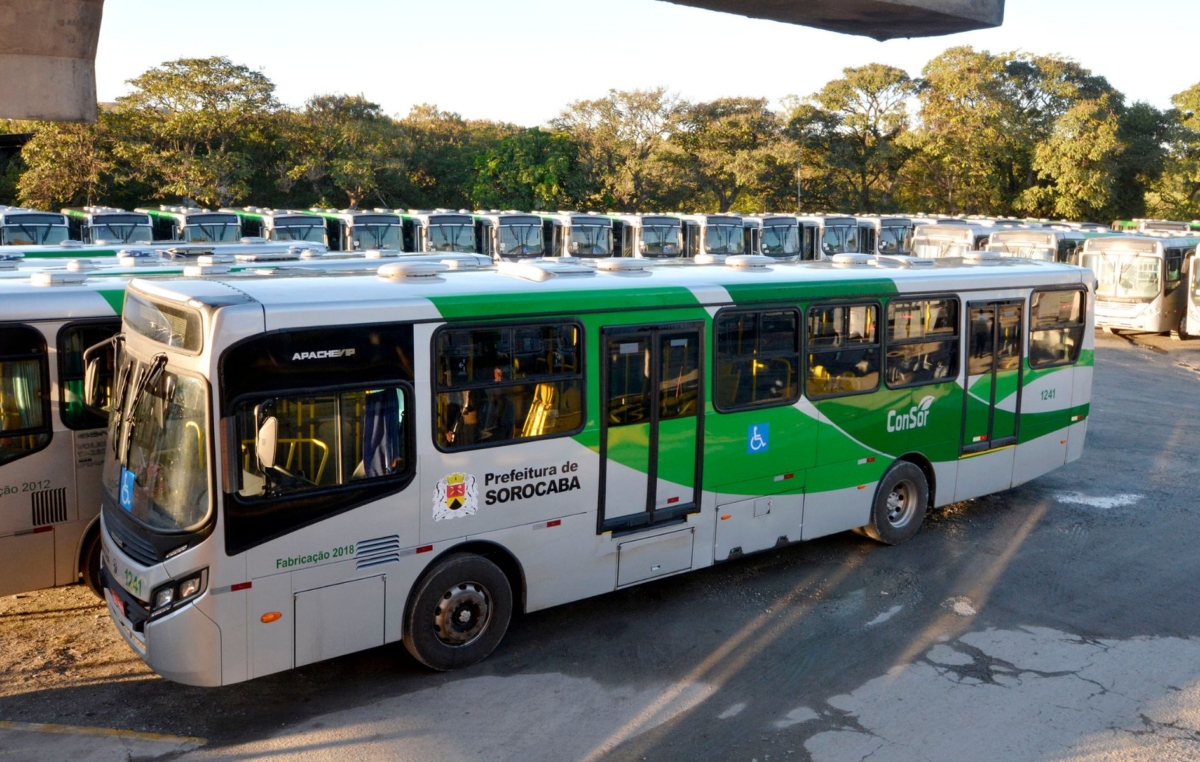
[
  {"x": 1181, "y": 331},
  {"x": 458, "y": 612},
  {"x": 900, "y": 502}
]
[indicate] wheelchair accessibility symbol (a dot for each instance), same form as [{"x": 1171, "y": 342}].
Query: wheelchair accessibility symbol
[
  {"x": 126, "y": 497},
  {"x": 758, "y": 438}
]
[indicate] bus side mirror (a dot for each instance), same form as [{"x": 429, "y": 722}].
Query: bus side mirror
[
  {"x": 266, "y": 443},
  {"x": 96, "y": 359}
]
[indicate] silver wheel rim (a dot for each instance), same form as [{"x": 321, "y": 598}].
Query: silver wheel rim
[
  {"x": 901, "y": 503},
  {"x": 462, "y": 614}
]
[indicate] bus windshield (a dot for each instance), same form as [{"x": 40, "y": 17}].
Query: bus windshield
[
  {"x": 840, "y": 239},
  {"x": 1125, "y": 275},
  {"x": 661, "y": 241},
  {"x": 156, "y": 467},
  {"x": 25, "y": 234},
  {"x": 376, "y": 237},
  {"x": 780, "y": 240},
  {"x": 720, "y": 238},
  {"x": 895, "y": 239},
  {"x": 118, "y": 233},
  {"x": 591, "y": 241},
  {"x": 932, "y": 248},
  {"x": 309, "y": 233},
  {"x": 212, "y": 232},
  {"x": 1023, "y": 251},
  {"x": 455, "y": 238},
  {"x": 520, "y": 239}
]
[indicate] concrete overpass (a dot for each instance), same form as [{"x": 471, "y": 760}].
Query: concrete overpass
[{"x": 48, "y": 47}]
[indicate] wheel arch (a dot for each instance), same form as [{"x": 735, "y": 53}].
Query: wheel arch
[
  {"x": 85, "y": 538},
  {"x": 926, "y": 466}
]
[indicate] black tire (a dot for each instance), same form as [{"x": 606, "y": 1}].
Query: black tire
[
  {"x": 1181, "y": 332},
  {"x": 89, "y": 563},
  {"x": 900, "y": 503},
  {"x": 458, "y": 612}
]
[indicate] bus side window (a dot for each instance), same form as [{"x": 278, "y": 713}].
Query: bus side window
[
  {"x": 757, "y": 360},
  {"x": 499, "y": 384},
  {"x": 1055, "y": 327},
  {"x": 843, "y": 350},
  {"x": 922, "y": 342},
  {"x": 1174, "y": 268},
  {"x": 72, "y": 341},
  {"x": 24, "y": 393}
]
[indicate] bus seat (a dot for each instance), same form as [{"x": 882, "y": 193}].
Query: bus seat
[
  {"x": 541, "y": 411},
  {"x": 818, "y": 379}
]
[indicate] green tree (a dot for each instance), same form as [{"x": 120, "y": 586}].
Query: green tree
[
  {"x": 1077, "y": 164},
  {"x": 196, "y": 128},
  {"x": 67, "y": 164},
  {"x": 529, "y": 169},
  {"x": 1176, "y": 193},
  {"x": 847, "y": 134},
  {"x": 621, "y": 138},
  {"x": 339, "y": 148},
  {"x": 435, "y": 158}
]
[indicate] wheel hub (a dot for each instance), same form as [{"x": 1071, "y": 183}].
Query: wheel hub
[
  {"x": 462, "y": 614},
  {"x": 900, "y": 504}
]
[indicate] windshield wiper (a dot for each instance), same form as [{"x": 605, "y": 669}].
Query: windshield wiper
[{"x": 149, "y": 377}]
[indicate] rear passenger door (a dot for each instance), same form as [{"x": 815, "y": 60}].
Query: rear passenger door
[{"x": 992, "y": 402}]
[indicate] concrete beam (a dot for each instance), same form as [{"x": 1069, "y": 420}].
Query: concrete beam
[
  {"x": 880, "y": 19},
  {"x": 48, "y": 59}
]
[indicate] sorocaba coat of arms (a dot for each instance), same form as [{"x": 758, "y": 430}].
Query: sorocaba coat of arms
[{"x": 454, "y": 496}]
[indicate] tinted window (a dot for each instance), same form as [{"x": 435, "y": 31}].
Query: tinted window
[
  {"x": 757, "y": 359},
  {"x": 72, "y": 341},
  {"x": 922, "y": 346},
  {"x": 843, "y": 349},
  {"x": 24, "y": 397}
]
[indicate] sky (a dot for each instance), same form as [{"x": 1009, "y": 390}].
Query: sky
[{"x": 523, "y": 61}]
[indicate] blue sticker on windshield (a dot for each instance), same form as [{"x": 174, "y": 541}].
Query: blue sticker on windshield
[{"x": 126, "y": 498}]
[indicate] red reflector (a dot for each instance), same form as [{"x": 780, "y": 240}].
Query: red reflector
[
  {"x": 554, "y": 523},
  {"x": 240, "y": 586},
  {"x": 39, "y": 530},
  {"x": 424, "y": 548},
  {"x": 871, "y": 460},
  {"x": 672, "y": 500},
  {"x": 789, "y": 476}
]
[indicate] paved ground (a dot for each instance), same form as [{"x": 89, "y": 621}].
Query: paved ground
[{"x": 1057, "y": 621}]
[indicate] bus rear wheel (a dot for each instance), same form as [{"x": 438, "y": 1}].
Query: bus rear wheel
[
  {"x": 458, "y": 612},
  {"x": 89, "y": 563},
  {"x": 900, "y": 503}
]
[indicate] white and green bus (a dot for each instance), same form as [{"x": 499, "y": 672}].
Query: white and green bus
[
  {"x": 579, "y": 234},
  {"x": 713, "y": 234},
  {"x": 884, "y": 235},
  {"x": 836, "y": 234},
  {"x": 51, "y": 445},
  {"x": 779, "y": 236},
  {"x": 30, "y": 227},
  {"x": 649, "y": 236},
  {"x": 280, "y": 224},
  {"x": 303, "y": 468},
  {"x": 107, "y": 225},
  {"x": 192, "y": 225},
  {"x": 360, "y": 230},
  {"x": 1140, "y": 282},
  {"x": 442, "y": 230},
  {"x": 509, "y": 235}
]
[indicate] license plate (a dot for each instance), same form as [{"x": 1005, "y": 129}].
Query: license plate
[{"x": 120, "y": 604}]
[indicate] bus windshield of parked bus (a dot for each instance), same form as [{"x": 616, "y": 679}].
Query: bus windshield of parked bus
[
  {"x": 780, "y": 241},
  {"x": 31, "y": 231},
  {"x": 661, "y": 240},
  {"x": 160, "y": 472},
  {"x": 212, "y": 232},
  {"x": 121, "y": 232},
  {"x": 456, "y": 237},
  {"x": 1024, "y": 251},
  {"x": 840, "y": 239},
  {"x": 591, "y": 241},
  {"x": 298, "y": 230},
  {"x": 521, "y": 239},
  {"x": 375, "y": 236},
  {"x": 895, "y": 239},
  {"x": 1125, "y": 275},
  {"x": 724, "y": 238},
  {"x": 934, "y": 248}
]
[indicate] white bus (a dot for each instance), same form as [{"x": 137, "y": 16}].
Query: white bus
[
  {"x": 192, "y": 225},
  {"x": 1044, "y": 243},
  {"x": 51, "y": 445},
  {"x": 442, "y": 230},
  {"x": 1140, "y": 282},
  {"x": 29, "y": 227},
  {"x": 280, "y": 224},
  {"x": 939, "y": 241},
  {"x": 780, "y": 236},
  {"x": 713, "y": 234},
  {"x": 836, "y": 234},
  {"x": 649, "y": 236},
  {"x": 884, "y": 234},
  {"x": 509, "y": 235},
  {"x": 309, "y": 467},
  {"x": 359, "y": 230},
  {"x": 108, "y": 225},
  {"x": 579, "y": 234}
]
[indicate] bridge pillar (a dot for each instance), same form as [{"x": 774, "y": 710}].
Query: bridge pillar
[{"x": 48, "y": 59}]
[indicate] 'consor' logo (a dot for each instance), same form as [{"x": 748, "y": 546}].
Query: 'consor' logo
[
  {"x": 323, "y": 354},
  {"x": 916, "y": 417}
]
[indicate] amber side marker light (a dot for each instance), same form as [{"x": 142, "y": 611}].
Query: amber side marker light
[{"x": 273, "y": 616}]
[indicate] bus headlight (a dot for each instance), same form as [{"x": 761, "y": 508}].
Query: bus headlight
[{"x": 174, "y": 594}]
